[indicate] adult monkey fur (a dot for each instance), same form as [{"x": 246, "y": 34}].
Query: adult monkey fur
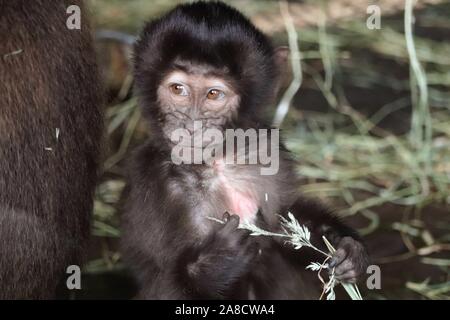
[
  {"x": 50, "y": 133},
  {"x": 206, "y": 62}
]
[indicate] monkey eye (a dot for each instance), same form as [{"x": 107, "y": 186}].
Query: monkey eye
[
  {"x": 178, "y": 89},
  {"x": 215, "y": 94}
]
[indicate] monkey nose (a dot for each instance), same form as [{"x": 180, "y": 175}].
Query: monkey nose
[{"x": 194, "y": 126}]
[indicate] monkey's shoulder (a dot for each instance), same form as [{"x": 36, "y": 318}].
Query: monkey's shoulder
[{"x": 147, "y": 160}]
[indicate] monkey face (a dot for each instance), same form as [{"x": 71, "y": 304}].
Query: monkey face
[{"x": 196, "y": 98}]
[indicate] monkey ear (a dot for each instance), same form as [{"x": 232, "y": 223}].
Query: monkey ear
[
  {"x": 281, "y": 56},
  {"x": 282, "y": 62}
]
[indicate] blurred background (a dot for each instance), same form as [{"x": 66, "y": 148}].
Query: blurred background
[{"x": 369, "y": 126}]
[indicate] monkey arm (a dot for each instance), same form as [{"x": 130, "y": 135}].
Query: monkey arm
[
  {"x": 213, "y": 269},
  {"x": 350, "y": 259},
  {"x": 321, "y": 222},
  {"x": 187, "y": 270}
]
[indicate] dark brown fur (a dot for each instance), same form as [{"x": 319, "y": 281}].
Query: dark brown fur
[
  {"x": 173, "y": 249},
  {"x": 45, "y": 195}
]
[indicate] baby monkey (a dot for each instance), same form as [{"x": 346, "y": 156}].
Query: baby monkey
[{"x": 201, "y": 68}]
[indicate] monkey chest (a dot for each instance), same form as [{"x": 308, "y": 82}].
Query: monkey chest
[
  {"x": 239, "y": 197},
  {"x": 236, "y": 189},
  {"x": 230, "y": 189}
]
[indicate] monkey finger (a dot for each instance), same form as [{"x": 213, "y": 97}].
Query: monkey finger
[
  {"x": 234, "y": 238},
  {"x": 348, "y": 277},
  {"x": 344, "y": 267},
  {"x": 338, "y": 257},
  {"x": 231, "y": 224},
  {"x": 345, "y": 248},
  {"x": 243, "y": 236},
  {"x": 225, "y": 216}
]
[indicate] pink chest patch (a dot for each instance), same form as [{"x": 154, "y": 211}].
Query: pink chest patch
[
  {"x": 241, "y": 202},
  {"x": 240, "y": 197}
]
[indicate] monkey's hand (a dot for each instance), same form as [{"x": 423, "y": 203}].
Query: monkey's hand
[
  {"x": 216, "y": 267},
  {"x": 350, "y": 260}
]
